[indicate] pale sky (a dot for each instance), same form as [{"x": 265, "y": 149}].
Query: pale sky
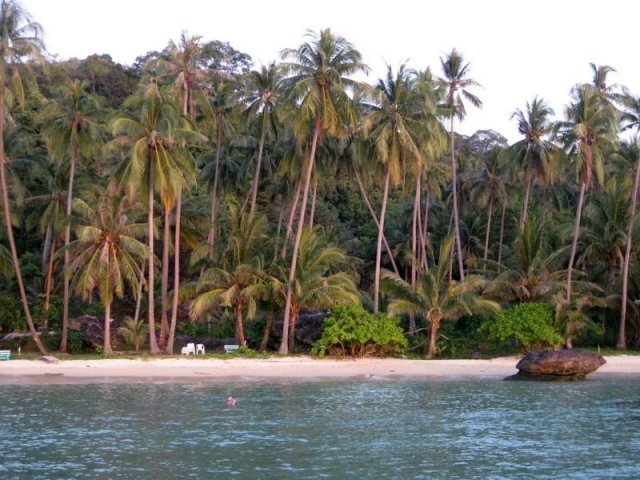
[{"x": 517, "y": 49}]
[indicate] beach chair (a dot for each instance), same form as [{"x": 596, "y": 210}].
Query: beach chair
[
  {"x": 5, "y": 354},
  {"x": 200, "y": 348},
  {"x": 231, "y": 348},
  {"x": 189, "y": 349}
]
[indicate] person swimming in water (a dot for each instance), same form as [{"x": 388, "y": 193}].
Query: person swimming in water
[{"x": 231, "y": 402}]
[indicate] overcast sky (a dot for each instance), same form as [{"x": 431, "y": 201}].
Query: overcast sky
[{"x": 517, "y": 49}]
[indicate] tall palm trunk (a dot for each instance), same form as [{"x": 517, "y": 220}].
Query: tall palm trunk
[
  {"x": 525, "y": 203},
  {"x": 292, "y": 330},
  {"x": 501, "y": 240},
  {"x": 574, "y": 245},
  {"x": 46, "y": 248},
  {"x": 414, "y": 231},
  {"x": 240, "y": 324},
  {"x": 313, "y": 200},
  {"x": 136, "y": 314},
  {"x": 153, "y": 344},
  {"x": 49, "y": 282},
  {"x": 488, "y": 232},
  {"x": 9, "y": 228},
  {"x": 214, "y": 193},
  {"x": 621, "y": 344},
  {"x": 256, "y": 174},
  {"x": 267, "y": 331},
  {"x": 433, "y": 336},
  {"x": 383, "y": 211},
  {"x": 106, "y": 348},
  {"x": 67, "y": 239},
  {"x": 456, "y": 215},
  {"x": 425, "y": 225},
  {"x": 277, "y": 241},
  {"x": 284, "y": 343},
  {"x": 164, "y": 280},
  {"x": 292, "y": 214},
  {"x": 176, "y": 275},
  {"x": 365, "y": 198}
]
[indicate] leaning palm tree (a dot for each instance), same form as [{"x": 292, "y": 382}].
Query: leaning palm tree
[
  {"x": 72, "y": 131},
  {"x": 107, "y": 253},
  {"x": 20, "y": 38},
  {"x": 588, "y": 132},
  {"x": 435, "y": 298},
  {"x": 533, "y": 155},
  {"x": 317, "y": 74},
  {"x": 631, "y": 150},
  {"x": 456, "y": 82}
]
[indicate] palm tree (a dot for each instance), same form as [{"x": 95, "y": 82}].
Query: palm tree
[
  {"x": 435, "y": 298},
  {"x": 394, "y": 127},
  {"x": 533, "y": 155},
  {"x": 72, "y": 131},
  {"x": 263, "y": 92},
  {"x": 156, "y": 136},
  {"x": 631, "y": 117},
  {"x": 20, "y": 37},
  {"x": 227, "y": 286},
  {"x": 588, "y": 132},
  {"x": 107, "y": 252},
  {"x": 318, "y": 77},
  {"x": 456, "y": 82}
]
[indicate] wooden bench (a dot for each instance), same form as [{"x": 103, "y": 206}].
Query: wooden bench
[
  {"x": 231, "y": 348},
  {"x": 5, "y": 354}
]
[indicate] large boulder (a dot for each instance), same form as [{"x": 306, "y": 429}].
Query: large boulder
[{"x": 572, "y": 364}]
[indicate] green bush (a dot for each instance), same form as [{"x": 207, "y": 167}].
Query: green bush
[
  {"x": 352, "y": 331},
  {"x": 529, "y": 325}
]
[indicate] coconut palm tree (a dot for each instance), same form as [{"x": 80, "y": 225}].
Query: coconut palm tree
[
  {"x": 72, "y": 131},
  {"x": 20, "y": 38},
  {"x": 456, "y": 82},
  {"x": 588, "y": 134},
  {"x": 107, "y": 253},
  {"x": 156, "y": 135},
  {"x": 532, "y": 157},
  {"x": 317, "y": 74},
  {"x": 631, "y": 150},
  {"x": 263, "y": 93},
  {"x": 394, "y": 127},
  {"x": 435, "y": 298}
]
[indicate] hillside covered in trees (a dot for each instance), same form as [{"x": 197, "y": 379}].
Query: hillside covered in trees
[{"x": 194, "y": 192}]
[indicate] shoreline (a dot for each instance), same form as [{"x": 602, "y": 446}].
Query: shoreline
[{"x": 304, "y": 368}]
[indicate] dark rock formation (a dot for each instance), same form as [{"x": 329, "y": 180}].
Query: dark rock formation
[
  {"x": 572, "y": 364},
  {"x": 93, "y": 328}
]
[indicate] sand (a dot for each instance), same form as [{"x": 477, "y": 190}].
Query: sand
[{"x": 287, "y": 368}]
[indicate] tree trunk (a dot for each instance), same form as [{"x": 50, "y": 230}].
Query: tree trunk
[
  {"x": 383, "y": 210},
  {"x": 214, "y": 194},
  {"x": 525, "y": 203},
  {"x": 256, "y": 175},
  {"x": 486, "y": 235},
  {"x": 504, "y": 211},
  {"x": 425, "y": 231},
  {"x": 292, "y": 330},
  {"x": 46, "y": 249},
  {"x": 164, "y": 280},
  {"x": 106, "y": 348},
  {"x": 49, "y": 282},
  {"x": 574, "y": 245},
  {"x": 176, "y": 275},
  {"x": 292, "y": 214},
  {"x": 621, "y": 344},
  {"x": 153, "y": 344},
  {"x": 240, "y": 324},
  {"x": 277, "y": 241},
  {"x": 313, "y": 201},
  {"x": 136, "y": 314},
  {"x": 67, "y": 239},
  {"x": 456, "y": 215},
  {"x": 9, "y": 228},
  {"x": 365, "y": 198},
  {"x": 267, "y": 331},
  {"x": 433, "y": 336},
  {"x": 414, "y": 246},
  {"x": 284, "y": 343}
]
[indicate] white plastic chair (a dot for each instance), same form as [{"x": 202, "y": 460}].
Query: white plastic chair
[
  {"x": 190, "y": 349},
  {"x": 200, "y": 348}
]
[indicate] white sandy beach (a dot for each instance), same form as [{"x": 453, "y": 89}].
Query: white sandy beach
[{"x": 291, "y": 368}]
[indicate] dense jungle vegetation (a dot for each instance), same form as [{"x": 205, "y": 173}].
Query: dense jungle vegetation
[{"x": 194, "y": 192}]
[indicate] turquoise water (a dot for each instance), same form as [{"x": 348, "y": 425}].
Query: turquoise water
[{"x": 384, "y": 429}]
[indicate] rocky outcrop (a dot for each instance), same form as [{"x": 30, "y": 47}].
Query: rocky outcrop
[{"x": 572, "y": 364}]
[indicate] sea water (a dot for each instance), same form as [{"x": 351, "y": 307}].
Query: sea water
[{"x": 374, "y": 429}]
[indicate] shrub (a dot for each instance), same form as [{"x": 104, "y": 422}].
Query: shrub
[
  {"x": 529, "y": 325},
  {"x": 352, "y": 331}
]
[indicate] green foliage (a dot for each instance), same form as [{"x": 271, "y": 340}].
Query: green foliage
[
  {"x": 51, "y": 316},
  {"x": 530, "y": 325},
  {"x": 134, "y": 332},
  {"x": 352, "y": 331},
  {"x": 75, "y": 340},
  {"x": 11, "y": 318}
]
